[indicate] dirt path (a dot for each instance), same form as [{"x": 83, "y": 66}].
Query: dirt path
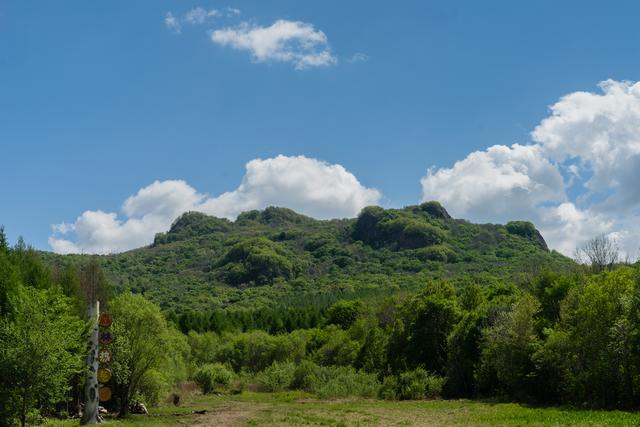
[{"x": 233, "y": 414}]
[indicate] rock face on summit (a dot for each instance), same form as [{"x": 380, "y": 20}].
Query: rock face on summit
[
  {"x": 528, "y": 231},
  {"x": 540, "y": 240},
  {"x": 435, "y": 209}
]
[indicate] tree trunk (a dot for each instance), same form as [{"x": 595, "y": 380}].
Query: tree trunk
[
  {"x": 91, "y": 400},
  {"x": 124, "y": 402},
  {"x": 23, "y": 415}
]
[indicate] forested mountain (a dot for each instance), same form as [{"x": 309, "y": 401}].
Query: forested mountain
[
  {"x": 277, "y": 257},
  {"x": 398, "y": 303}
]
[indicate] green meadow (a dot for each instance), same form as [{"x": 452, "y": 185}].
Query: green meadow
[{"x": 301, "y": 409}]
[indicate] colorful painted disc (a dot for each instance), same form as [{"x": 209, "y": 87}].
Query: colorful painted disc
[
  {"x": 104, "y": 356},
  {"x": 105, "y": 320},
  {"x": 104, "y": 375},
  {"x": 106, "y": 337},
  {"x": 104, "y": 394}
]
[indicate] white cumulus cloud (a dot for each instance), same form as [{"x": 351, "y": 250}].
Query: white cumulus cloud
[
  {"x": 294, "y": 42},
  {"x": 495, "y": 184},
  {"x": 590, "y": 144},
  {"x": 602, "y": 130},
  {"x": 566, "y": 227},
  {"x": 151, "y": 210},
  {"x": 199, "y": 15},
  {"x": 358, "y": 57},
  {"x": 172, "y": 23},
  {"x": 307, "y": 185}
]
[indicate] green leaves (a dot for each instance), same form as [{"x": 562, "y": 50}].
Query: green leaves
[
  {"x": 40, "y": 349},
  {"x": 259, "y": 261},
  {"x": 398, "y": 229},
  {"x": 344, "y": 313},
  {"x": 276, "y": 255},
  {"x": 211, "y": 376},
  {"x": 507, "y": 347},
  {"x": 143, "y": 341}
]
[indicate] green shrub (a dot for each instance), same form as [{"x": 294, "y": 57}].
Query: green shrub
[
  {"x": 419, "y": 384},
  {"x": 305, "y": 376},
  {"x": 256, "y": 350},
  {"x": 433, "y": 386},
  {"x": 332, "y": 346},
  {"x": 388, "y": 389},
  {"x": 345, "y": 381},
  {"x": 344, "y": 313},
  {"x": 211, "y": 376},
  {"x": 440, "y": 253},
  {"x": 241, "y": 382},
  {"x": 153, "y": 387},
  {"x": 521, "y": 228},
  {"x": 417, "y": 234},
  {"x": 277, "y": 377},
  {"x": 259, "y": 261},
  {"x": 507, "y": 348}
]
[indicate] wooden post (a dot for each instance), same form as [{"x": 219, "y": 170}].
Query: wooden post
[{"x": 91, "y": 401}]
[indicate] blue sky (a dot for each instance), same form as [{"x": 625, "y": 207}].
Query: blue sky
[{"x": 101, "y": 99}]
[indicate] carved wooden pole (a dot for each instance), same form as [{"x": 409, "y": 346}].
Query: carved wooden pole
[{"x": 90, "y": 413}]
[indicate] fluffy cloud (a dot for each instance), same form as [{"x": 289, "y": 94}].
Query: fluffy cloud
[
  {"x": 496, "y": 184},
  {"x": 294, "y": 42},
  {"x": 149, "y": 211},
  {"x": 199, "y": 15},
  {"x": 589, "y": 143},
  {"x": 307, "y": 185},
  {"x": 506, "y": 183},
  {"x": 603, "y": 132},
  {"x": 358, "y": 57},
  {"x": 566, "y": 227},
  {"x": 172, "y": 23}
]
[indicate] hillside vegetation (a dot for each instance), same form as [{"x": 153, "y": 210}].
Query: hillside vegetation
[
  {"x": 277, "y": 257},
  {"x": 403, "y": 304}
]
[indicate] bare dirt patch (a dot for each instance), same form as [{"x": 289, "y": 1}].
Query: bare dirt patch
[{"x": 234, "y": 414}]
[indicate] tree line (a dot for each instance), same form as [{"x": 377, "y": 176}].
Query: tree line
[
  {"x": 564, "y": 339},
  {"x": 558, "y": 338},
  {"x": 43, "y": 346}
]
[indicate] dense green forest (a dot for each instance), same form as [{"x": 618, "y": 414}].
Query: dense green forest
[
  {"x": 395, "y": 304},
  {"x": 216, "y": 274}
]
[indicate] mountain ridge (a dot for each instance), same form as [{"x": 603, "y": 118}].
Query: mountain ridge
[{"x": 278, "y": 256}]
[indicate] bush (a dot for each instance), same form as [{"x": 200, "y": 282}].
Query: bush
[
  {"x": 419, "y": 384},
  {"x": 336, "y": 347},
  {"x": 257, "y": 350},
  {"x": 439, "y": 253},
  {"x": 433, "y": 386},
  {"x": 243, "y": 380},
  {"x": 153, "y": 387},
  {"x": 388, "y": 390},
  {"x": 521, "y": 228},
  {"x": 345, "y": 381},
  {"x": 305, "y": 376},
  {"x": 277, "y": 377},
  {"x": 259, "y": 261},
  {"x": 211, "y": 376},
  {"x": 417, "y": 234},
  {"x": 344, "y": 313},
  {"x": 507, "y": 349}
]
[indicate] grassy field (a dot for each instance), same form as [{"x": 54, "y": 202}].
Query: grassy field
[{"x": 297, "y": 409}]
